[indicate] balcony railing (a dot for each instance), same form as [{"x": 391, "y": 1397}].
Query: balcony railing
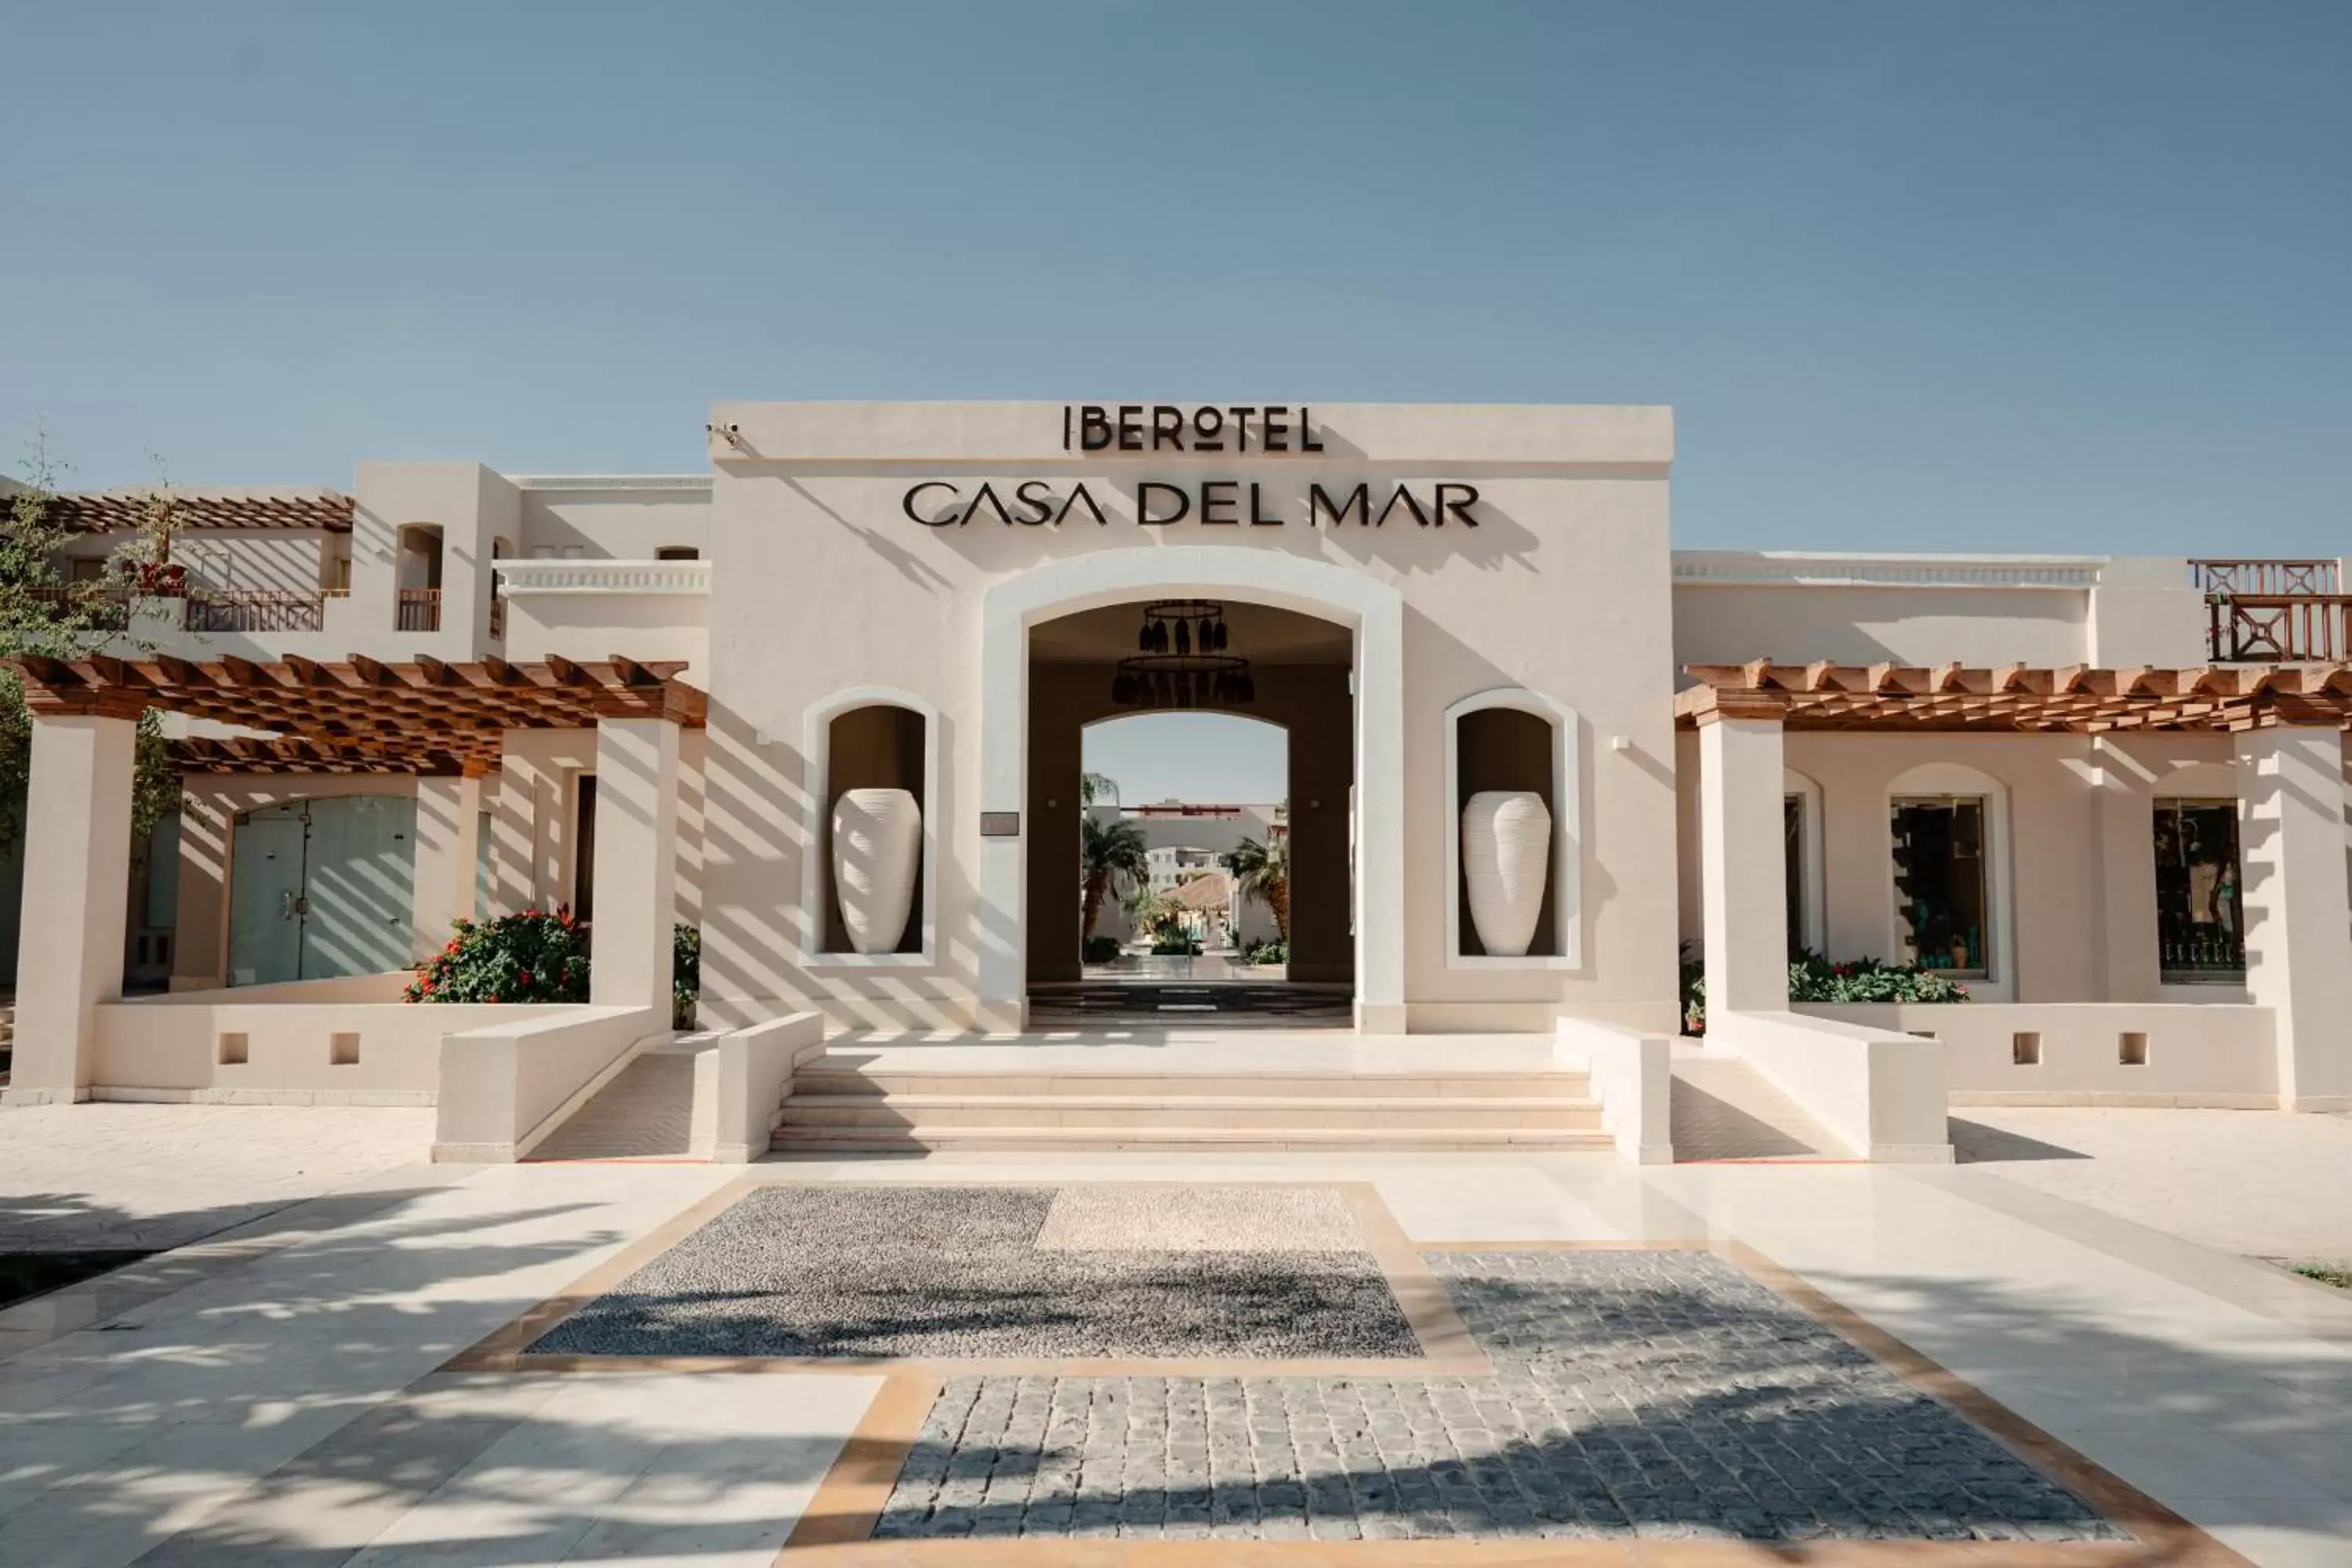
[
  {"x": 256, "y": 610},
  {"x": 419, "y": 610},
  {"x": 2282, "y": 612},
  {"x": 2267, "y": 579}
]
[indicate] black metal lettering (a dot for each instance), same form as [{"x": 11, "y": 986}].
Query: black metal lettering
[
  {"x": 1167, "y": 426},
  {"x": 1402, "y": 494},
  {"x": 1070, "y": 505},
  {"x": 987, "y": 493},
  {"x": 1306, "y": 441},
  {"x": 1458, "y": 510},
  {"x": 1143, "y": 504},
  {"x": 1216, "y": 494},
  {"x": 1276, "y": 427},
  {"x": 1130, "y": 428},
  {"x": 1043, "y": 504},
  {"x": 1359, "y": 502},
  {"x": 1257, "y": 514},
  {"x": 1208, "y": 430},
  {"x": 1094, "y": 434},
  {"x": 907, "y": 504},
  {"x": 1241, "y": 413}
]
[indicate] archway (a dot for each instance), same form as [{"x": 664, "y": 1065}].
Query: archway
[
  {"x": 1345, "y": 609},
  {"x": 1218, "y": 810}
]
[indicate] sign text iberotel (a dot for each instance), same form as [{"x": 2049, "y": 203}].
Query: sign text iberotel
[{"x": 1258, "y": 429}]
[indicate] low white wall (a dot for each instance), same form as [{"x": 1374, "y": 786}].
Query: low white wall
[
  {"x": 2198, "y": 1054},
  {"x": 173, "y": 1047},
  {"x": 741, "y": 1082},
  {"x": 504, "y": 1086},
  {"x": 1633, "y": 1074},
  {"x": 1878, "y": 1092}
]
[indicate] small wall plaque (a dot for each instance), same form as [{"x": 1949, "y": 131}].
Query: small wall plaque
[{"x": 1000, "y": 825}]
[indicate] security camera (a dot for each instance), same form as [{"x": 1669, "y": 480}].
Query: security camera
[{"x": 731, "y": 434}]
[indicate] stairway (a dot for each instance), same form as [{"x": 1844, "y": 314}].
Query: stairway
[{"x": 838, "y": 1106}]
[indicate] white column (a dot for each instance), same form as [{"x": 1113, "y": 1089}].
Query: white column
[
  {"x": 999, "y": 931},
  {"x": 442, "y": 840},
  {"x": 2291, "y": 801},
  {"x": 465, "y": 902},
  {"x": 2126, "y": 807},
  {"x": 1743, "y": 869},
  {"x": 514, "y": 832},
  {"x": 77, "y": 885},
  {"x": 636, "y": 861},
  {"x": 1379, "y": 818}
]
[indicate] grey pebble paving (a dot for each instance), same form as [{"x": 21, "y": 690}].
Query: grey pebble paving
[
  {"x": 1636, "y": 1394},
  {"x": 953, "y": 1272}
]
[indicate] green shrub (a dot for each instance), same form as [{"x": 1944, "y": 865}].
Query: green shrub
[
  {"x": 1812, "y": 978},
  {"x": 1267, "y": 950},
  {"x": 1101, "y": 948},
  {"x": 685, "y": 973},
  {"x": 539, "y": 957},
  {"x": 530, "y": 957},
  {"x": 1174, "y": 946}
]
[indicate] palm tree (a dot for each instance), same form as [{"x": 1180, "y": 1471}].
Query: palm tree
[
  {"x": 1098, "y": 789},
  {"x": 1263, "y": 873},
  {"x": 1107, "y": 849}
]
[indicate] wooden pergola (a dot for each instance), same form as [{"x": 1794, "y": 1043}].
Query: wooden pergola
[
  {"x": 360, "y": 715},
  {"x": 2073, "y": 698}
]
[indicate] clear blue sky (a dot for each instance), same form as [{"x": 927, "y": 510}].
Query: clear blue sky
[{"x": 2002, "y": 276}]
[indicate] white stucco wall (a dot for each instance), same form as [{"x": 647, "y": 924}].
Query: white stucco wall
[{"x": 827, "y": 584}]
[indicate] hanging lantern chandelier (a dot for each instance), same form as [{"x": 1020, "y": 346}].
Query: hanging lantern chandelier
[{"x": 1181, "y": 660}]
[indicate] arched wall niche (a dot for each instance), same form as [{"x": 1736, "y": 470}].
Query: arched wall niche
[
  {"x": 1931, "y": 782},
  {"x": 868, "y": 738},
  {"x": 1509, "y": 738}
]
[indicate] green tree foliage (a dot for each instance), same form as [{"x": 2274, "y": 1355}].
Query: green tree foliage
[
  {"x": 1107, "y": 850},
  {"x": 1263, "y": 872},
  {"x": 42, "y": 614}
]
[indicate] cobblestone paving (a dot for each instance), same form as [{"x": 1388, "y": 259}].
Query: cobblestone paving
[{"x": 1636, "y": 1394}]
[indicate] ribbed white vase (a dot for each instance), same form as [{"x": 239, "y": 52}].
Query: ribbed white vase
[
  {"x": 877, "y": 836},
  {"x": 1506, "y": 861}
]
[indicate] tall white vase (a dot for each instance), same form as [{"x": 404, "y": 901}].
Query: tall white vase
[
  {"x": 1506, "y": 860},
  {"x": 877, "y": 836}
]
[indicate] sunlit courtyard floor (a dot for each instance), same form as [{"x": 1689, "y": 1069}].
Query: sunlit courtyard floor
[{"x": 380, "y": 1374}]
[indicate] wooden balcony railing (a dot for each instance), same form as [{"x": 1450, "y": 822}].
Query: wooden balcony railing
[
  {"x": 419, "y": 610},
  {"x": 2266, "y": 579},
  {"x": 2281, "y": 628},
  {"x": 256, "y": 610},
  {"x": 2282, "y": 612}
]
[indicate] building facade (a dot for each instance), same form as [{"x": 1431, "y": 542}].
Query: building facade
[{"x": 2108, "y": 795}]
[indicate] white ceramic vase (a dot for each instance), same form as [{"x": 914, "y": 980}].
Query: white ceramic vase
[
  {"x": 877, "y": 837},
  {"x": 1506, "y": 860}
]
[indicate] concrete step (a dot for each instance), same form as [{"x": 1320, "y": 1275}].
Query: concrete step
[
  {"x": 1192, "y": 1110},
  {"x": 825, "y": 1079},
  {"x": 792, "y": 1140}
]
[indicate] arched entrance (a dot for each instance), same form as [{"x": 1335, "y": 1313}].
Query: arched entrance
[
  {"x": 1365, "y": 613},
  {"x": 1230, "y": 819}
]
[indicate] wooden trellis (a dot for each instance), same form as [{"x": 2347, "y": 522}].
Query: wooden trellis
[
  {"x": 2076, "y": 698},
  {"x": 359, "y": 715}
]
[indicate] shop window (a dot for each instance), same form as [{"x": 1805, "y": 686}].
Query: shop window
[
  {"x": 1941, "y": 890},
  {"x": 583, "y": 851},
  {"x": 677, "y": 552},
  {"x": 2200, "y": 925}
]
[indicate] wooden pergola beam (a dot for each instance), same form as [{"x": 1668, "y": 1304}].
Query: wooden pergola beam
[{"x": 2077, "y": 699}]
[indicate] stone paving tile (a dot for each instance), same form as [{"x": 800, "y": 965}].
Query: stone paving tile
[
  {"x": 1636, "y": 1394},
  {"x": 956, "y": 1271}
]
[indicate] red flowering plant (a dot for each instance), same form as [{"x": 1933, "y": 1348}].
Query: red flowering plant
[{"x": 530, "y": 957}]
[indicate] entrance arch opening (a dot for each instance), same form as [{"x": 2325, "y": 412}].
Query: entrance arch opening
[{"x": 1191, "y": 774}]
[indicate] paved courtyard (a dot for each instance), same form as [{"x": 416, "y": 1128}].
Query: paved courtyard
[
  {"x": 138, "y": 1177},
  {"x": 300, "y": 1389},
  {"x": 1655, "y": 1394}
]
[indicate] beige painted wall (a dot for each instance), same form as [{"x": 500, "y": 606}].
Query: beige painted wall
[
  {"x": 827, "y": 584},
  {"x": 2081, "y": 856},
  {"x": 1982, "y": 626}
]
